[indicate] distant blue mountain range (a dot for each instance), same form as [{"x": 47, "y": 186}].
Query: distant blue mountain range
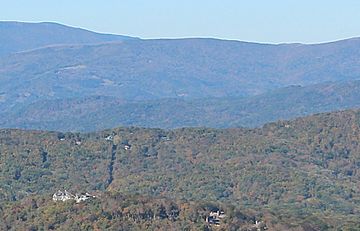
[
  {"x": 19, "y": 36},
  {"x": 46, "y": 68}
]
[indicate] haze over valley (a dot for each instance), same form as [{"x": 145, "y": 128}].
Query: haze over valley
[{"x": 134, "y": 82}]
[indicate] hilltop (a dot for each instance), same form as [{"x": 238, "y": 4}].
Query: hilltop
[{"x": 20, "y": 36}]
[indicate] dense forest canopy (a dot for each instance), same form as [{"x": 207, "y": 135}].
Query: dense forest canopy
[{"x": 294, "y": 175}]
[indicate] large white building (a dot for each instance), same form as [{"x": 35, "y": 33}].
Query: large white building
[{"x": 64, "y": 196}]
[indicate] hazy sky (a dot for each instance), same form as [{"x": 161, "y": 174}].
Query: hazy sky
[{"x": 273, "y": 21}]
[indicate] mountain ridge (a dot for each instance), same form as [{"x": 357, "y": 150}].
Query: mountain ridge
[
  {"x": 18, "y": 36},
  {"x": 146, "y": 69},
  {"x": 302, "y": 172},
  {"x": 137, "y": 71},
  {"x": 100, "y": 112}
]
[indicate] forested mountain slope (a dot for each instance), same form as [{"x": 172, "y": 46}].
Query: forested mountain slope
[
  {"x": 97, "y": 113},
  {"x": 293, "y": 175},
  {"x": 153, "y": 69}
]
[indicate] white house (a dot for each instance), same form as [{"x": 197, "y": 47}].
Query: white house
[{"x": 64, "y": 196}]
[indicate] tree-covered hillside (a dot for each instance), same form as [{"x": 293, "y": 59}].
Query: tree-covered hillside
[
  {"x": 138, "y": 69},
  {"x": 297, "y": 175},
  {"x": 98, "y": 113},
  {"x": 114, "y": 211}
]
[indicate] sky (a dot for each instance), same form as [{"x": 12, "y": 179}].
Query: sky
[{"x": 266, "y": 21}]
